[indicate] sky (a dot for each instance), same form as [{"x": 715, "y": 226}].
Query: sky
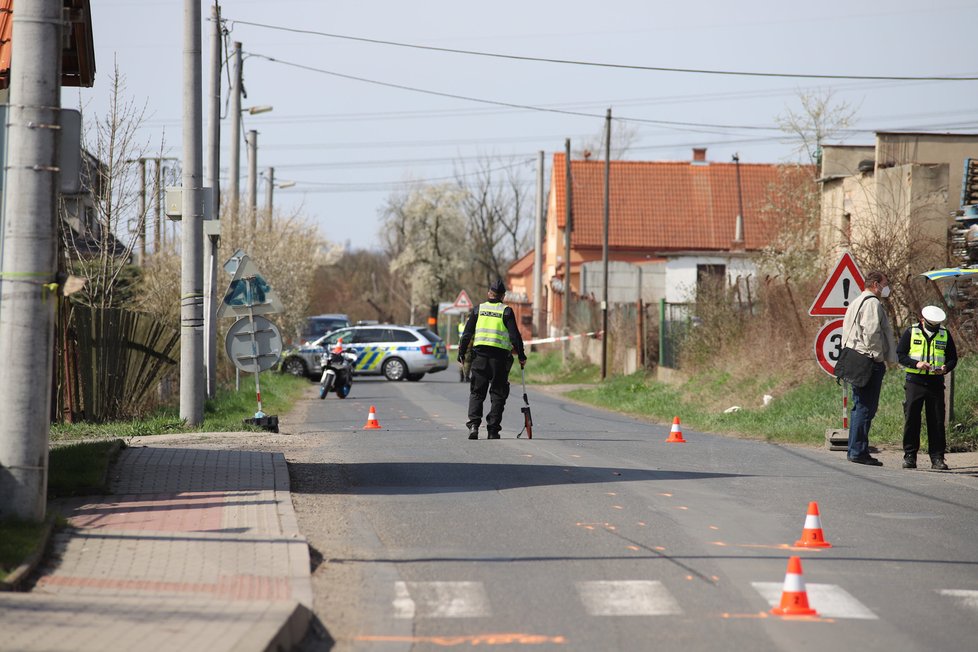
[{"x": 356, "y": 120}]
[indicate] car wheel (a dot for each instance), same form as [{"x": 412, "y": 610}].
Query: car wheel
[
  {"x": 294, "y": 366},
  {"x": 395, "y": 369},
  {"x": 415, "y": 377}
]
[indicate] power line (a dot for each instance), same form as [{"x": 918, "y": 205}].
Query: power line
[
  {"x": 595, "y": 64},
  {"x": 527, "y": 107}
]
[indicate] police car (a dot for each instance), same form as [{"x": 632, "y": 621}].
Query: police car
[{"x": 396, "y": 352}]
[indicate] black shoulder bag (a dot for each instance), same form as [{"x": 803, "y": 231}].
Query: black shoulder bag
[{"x": 854, "y": 367}]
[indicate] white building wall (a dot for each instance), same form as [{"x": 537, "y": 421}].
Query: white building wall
[{"x": 681, "y": 274}]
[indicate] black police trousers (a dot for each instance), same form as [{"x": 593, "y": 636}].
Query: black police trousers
[
  {"x": 489, "y": 375},
  {"x": 930, "y": 396}
]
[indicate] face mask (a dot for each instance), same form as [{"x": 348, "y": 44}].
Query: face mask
[{"x": 885, "y": 292}]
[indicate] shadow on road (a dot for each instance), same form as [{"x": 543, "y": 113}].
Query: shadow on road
[{"x": 397, "y": 478}]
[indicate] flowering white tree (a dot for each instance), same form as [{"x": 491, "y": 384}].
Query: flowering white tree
[{"x": 425, "y": 232}]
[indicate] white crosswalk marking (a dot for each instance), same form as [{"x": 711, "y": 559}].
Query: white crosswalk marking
[
  {"x": 965, "y": 597},
  {"x": 440, "y": 600},
  {"x": 829, "y": 600},
  {"x": 627, "y": 598}
]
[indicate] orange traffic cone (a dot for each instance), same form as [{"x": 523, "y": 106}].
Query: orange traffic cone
[
  {"x": 811, "y": 534},
  {"x": 794, "y": 598},
  {"x": 372, "y": 420},
  {"x": 675, "y": 435}
]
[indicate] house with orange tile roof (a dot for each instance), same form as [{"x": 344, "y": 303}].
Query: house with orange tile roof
[{"x": 677, "y": 221}]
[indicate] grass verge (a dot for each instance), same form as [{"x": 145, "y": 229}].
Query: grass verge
[
  {"x": 18, "y": 541},
  {"x": 222, "y": 414},
  {"x": 798, "y": 415}
]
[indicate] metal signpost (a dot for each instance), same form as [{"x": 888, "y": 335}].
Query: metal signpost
[
  {"x": 842, "y": 286},
  {"x": 253, "y": 343}
]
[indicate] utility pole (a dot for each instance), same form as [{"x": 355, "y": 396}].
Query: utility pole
[
  {"x": 157, "y": 213},
  {"x": 251, "y": 139},
  {"x": 142, "y": 210},
  {"x": 739, "y": 224},
  {"x": 268, "y": 197},
  {"x": 568, "y": 225},
  {"x": 214, "y": 183},
  {"x": 192, "y": 387},
  {"x": 538, "y": 253},
  {"x": 604, "y": 244},
  {"x": 30, "y": 237},
  {"x": 234, "y": 164}
]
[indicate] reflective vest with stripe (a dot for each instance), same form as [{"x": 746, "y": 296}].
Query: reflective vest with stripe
[
  {"x": 489, "y": 327},
  {"x": 931, "y": 351}
]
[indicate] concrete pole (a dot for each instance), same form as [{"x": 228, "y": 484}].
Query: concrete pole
[
  {"x": 157, "y": 213},
  {"x": 251, "y": 139},
  {"x": 538, "y": 253},
  {"x": 30, "y": 236},
  {"x": 142, "y": 211},
  {"x": 214, "y": 183},
  {"x": 234, "y": 158},
  {"x": 268, "y": 197},
  {"x": 604, "y": 244},
  {"x": 568, "y": 225},
  {"x": 192, "y": 388}
]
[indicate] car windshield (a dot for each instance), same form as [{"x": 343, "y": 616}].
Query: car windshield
[
  {"x": 428, "y": 335},
  {"x": 319, "y": 327}
]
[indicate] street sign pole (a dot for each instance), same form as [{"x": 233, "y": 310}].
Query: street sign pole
[{"x": 254, "y": 346}]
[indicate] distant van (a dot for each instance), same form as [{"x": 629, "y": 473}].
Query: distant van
[{"x": 319, "y": 325}]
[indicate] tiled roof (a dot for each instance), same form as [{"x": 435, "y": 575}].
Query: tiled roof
[{"x": 665, "y": 205}]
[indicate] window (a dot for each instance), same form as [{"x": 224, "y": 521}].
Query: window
[
  {"x": 398, "y": 335},
  {"x": 369, "y": 335},
  {"x": 428, "y": 335},
  {"x": 710, "y": 279}
]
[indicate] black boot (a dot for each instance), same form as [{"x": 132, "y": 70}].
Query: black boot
[
  {"x": 937, "y": 463},
  {"x": 474, "y": 433},
  {"x": 909, "y": 461}
]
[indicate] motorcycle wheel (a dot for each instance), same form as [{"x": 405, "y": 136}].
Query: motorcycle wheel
[
  {"x": 343, "y": 390},
  {"x": 325, "y": 387}
]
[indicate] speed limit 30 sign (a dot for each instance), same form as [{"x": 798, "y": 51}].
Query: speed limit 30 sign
[{"x": 828, "y": 345}]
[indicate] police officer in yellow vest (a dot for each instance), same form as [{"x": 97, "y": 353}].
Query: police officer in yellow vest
[
  {"x": 492, "y": 333},
  {"x": 927, "y": 351}
]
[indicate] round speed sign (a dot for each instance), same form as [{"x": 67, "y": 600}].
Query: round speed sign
[{"x": 828, "y": 346}]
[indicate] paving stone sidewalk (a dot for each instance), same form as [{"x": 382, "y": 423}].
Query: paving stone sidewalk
[{"x": 195, "y": 549}]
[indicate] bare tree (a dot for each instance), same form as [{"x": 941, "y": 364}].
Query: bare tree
[
  {"x": 497, "y": 208},
  {"x": 103, "y": 225},
  {"x": 819, "y": 119},
  {"x": 623, "y": 136}
]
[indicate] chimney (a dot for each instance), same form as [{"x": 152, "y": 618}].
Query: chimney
[
  {"x": 738, "y": 239},
  {"x": 699, "y": 155}
]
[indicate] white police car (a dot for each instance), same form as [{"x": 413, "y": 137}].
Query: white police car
[{"x": 397, "y": 352}]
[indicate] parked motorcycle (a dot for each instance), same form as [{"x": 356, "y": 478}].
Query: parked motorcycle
[{"x": 337, "y": 371}]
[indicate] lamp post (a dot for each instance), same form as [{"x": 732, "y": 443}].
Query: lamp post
[{"x": 269, "y": 205}]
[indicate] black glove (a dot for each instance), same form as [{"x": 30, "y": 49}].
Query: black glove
[{"x": 522, "y": 363}]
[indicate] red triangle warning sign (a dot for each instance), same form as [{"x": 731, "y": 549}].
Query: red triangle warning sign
[{"x": 843, "y": 285}]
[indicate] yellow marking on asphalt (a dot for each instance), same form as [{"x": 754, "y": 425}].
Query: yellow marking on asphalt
[
  {"x": 779, "y": 546},
  {"x": 470, "y": 640},
  {"x": 526, "y": 455},
  {"x": 575, "y": 455},
  {"x": 659, "y": 548},
  {"x": 635, "y": 548},
  {"x": 689, "y": 577},
  {"x": 714, "y": 578}
]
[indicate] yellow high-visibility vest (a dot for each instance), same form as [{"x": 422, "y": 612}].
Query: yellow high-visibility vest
[
  {"x": 931, "y": 351},
  {"x": 489, "y": 327}
]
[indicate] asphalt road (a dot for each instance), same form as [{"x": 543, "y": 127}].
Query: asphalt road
[{"x": 598, "y": 535}]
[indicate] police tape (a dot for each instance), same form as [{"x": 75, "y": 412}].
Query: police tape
[{"x": 548, "y": 340}]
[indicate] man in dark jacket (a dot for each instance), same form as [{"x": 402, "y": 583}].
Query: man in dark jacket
[
  {"x": 492, "y": 333},
  {"x": 927, "y": 351}
]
